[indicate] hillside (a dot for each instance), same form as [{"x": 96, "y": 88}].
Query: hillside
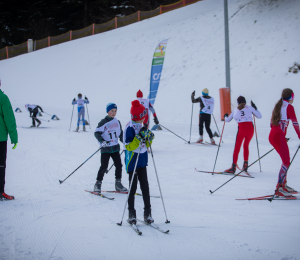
[{"x": 52, "y": 221}]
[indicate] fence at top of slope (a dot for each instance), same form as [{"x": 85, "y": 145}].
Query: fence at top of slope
[{"x": 118, "y": 22}]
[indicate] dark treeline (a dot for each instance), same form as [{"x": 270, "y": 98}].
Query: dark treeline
[{"x": 21, "y": 20}]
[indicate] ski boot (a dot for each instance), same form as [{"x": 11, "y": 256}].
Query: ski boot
[
  {"x": 97, "y": 186},
  {"x": 289, "y": 189},
  {"x": 131, "y": 216},
  {"x": 32, "y": 126},
  {"x": 39, "y": 123},
  {"x": 212, "y": 141},
  {"x": 4, "y": 196},
  {"x": 147, "y": 216},
  {"x": 200, "y": 140},
  {"x": 119, "y": 186},
  {"x": 245, "y": 166},
  {"x": 280, "y": 191},
  {"x": 84, "y": 129},
  {"x": 77, "y": 129},
  {"x": 232, "y": 169}
]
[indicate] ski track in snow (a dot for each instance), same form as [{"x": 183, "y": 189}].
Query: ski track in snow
[{"x": 48, "y": 220}]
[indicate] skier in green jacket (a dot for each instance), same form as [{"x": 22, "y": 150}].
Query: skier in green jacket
[{"x": 7, "y": 127}]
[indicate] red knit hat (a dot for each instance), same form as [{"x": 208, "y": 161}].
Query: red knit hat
[
  {"x": 137, "y": 111},
  {"x": 139, "y": 94}
]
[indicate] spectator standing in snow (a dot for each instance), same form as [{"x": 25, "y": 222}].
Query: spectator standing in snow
[
  {"x": 243, "y": 116},
  {"x": 207, "y": 104},
  {"x": 7, "y": 127},
  {"x": 108, "y": 131},
  {"x": 81, "y": 110},
  {"x": 282, "y": 113},
  {"x": 33, "y": 113}
]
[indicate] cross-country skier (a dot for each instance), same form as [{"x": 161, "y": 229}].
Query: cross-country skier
[
  {"x": 81, "y": 110},
  {"x": 108, "y": 131},
  {"x": 207, "y": 104},
  {"x": 243, "y": 116},
  {"x": 146, "y": 103},
  {"x": 33, "y": 112},
  {"x": 282, "y": 113},
  {"x": 136, "y": 138},
  {"x": 7, "y": 126}
]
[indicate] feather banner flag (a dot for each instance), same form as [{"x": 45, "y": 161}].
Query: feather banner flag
[{"x": 156, "y": 69}]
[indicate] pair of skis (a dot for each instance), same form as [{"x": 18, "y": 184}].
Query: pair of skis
[
  {"x": 122, "y": 192},
  {"x": 136, "y": 229},
  {"x": 270, "y": 198},
  {"x": 205, "y": 143},
  {"x": 227, "y": 173},
  {"x": 126, "y": 192}
]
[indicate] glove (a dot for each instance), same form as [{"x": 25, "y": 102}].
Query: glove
[
  {"x": 105, "y": 143},
  {"x": 74, "y": 99},
  {"x": 226, "y": 115},
  {"x": 140, "y": 138},
  {"x": 193, "y": 94},
  {"x": 150, "y": 135},
  {"x": 85, "y": 98},
  {"x": 156, "y": 120},
  {"x": 253, "y": 105},
  {"x": 15, "y": 146}
]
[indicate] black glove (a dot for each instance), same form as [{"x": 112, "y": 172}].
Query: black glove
[
  {"x": 253, "y": 105},
  {"x": 226, "y": 115},
  {"x": 85, "y": 98},
  {"x": 156, "y": 120},
  {"x": 74, "y": 99},
  {"x": 193, "y": 94}
]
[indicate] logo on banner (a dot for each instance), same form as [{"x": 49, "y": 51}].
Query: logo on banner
[{"x": 156, "y": 76}]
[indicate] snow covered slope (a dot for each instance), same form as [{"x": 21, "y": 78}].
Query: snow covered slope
[{"x": 52, "y": 221}]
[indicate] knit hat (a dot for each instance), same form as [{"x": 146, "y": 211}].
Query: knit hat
[
  {"x": 205, "y": 92},
  {"x": 79, "y": 95},
  {"x": 139, "y": 94},
  {"x": 110, "y": 106},
  {"x": 241, "y": 99},
  {"x": 137, "y": 111}
]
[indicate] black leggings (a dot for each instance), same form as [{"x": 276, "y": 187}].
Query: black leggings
[
  {"x": 3, "y": 150},
  {"x": 141, "y": 175},
  {"x": 35, "y": 112},
  {"x": 205, "y": 118},
  {"x": 104, "y": 165}
]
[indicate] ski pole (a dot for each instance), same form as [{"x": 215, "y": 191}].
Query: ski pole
[
  {"x": 256, "y": 141},
  {"x": 46, "y": 113},
  {"x": 284, "y": 175},
  {"x": 81, "y": 165},
  {"x": 217, "y": 125},
  {"x": 167, "y": 221},
  {"x": 219, "y": 146},
  {"x": 113, "y": 164},
  {"x": 132, "y": 179},
  {"x": 241, "y": 171},
  {"x": 71, "y": 118},
  {"x": 174, "y": 133},
  {"x": 41, "y": 119},
  {"x": 88, "y": 115},
  {"x": 191, "y": 123}
]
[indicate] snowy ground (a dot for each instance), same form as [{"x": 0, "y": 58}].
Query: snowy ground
[{"x": 52, "y": 221}]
